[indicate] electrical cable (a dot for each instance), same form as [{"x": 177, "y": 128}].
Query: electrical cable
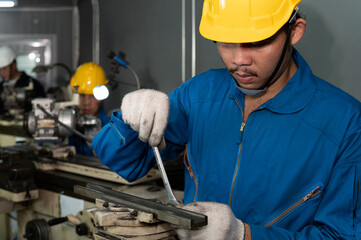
[
  {"x": 135, "y": 75},
  {"x": 126, "y": 83},
  {"x": 124, "y": 64}
]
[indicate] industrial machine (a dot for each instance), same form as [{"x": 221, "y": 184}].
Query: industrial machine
[
  {"x": 35, "y": 184},
  {"x": 58, "y": 194},
  {"x": 37, "y": 177},
  {"x": 16, "y": 101},
  {"x": 48, "y": 123}
]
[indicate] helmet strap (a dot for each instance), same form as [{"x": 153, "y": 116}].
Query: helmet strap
[
  {"x": 290, "y": 23},
  {"x": 271, "y": 79}
]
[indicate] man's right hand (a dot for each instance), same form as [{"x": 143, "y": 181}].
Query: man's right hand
[{"x": 146, "y": 111}]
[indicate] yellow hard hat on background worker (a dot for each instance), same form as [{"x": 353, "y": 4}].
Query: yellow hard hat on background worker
[
  {"x": 88, "y": 76},
  {"x": 244, "y": 21}
]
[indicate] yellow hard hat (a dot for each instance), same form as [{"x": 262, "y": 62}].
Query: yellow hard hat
[
  {"x": 88, "y": 76},
  {"x": 242, "y": 21}
]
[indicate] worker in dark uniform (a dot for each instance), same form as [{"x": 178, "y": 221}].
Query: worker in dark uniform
[{"x": 14, "y": 81}]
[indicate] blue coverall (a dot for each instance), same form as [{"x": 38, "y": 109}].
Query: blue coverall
[{"x": 292, "y": 171}]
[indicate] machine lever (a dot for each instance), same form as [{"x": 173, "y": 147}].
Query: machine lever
[
  {"x": 171, "y": 198},
  {"x": 56, "y": 221}
]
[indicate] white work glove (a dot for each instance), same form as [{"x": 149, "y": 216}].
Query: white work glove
[
  {"x": 222, "y": 224},
  {"x": 146, "y": 111}
]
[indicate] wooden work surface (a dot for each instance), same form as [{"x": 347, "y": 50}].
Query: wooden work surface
[
  {"x": 90, "y": 167},
  {"x": 14, "y": 128}
]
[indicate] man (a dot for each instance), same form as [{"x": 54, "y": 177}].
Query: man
[
  {"x": 273, "y": 152},
  {"x": 88, "y": 76},
  {"x": 13, "y": 80}
]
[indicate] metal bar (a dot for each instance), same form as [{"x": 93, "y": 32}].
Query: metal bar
[
  {"x": 96, "y": 37},
  {"x": 194, "y": 38},
  {"x": 167, "y": 213},
  {"x": 76, "y": 37},
  {"x": 183, "y": 41}
]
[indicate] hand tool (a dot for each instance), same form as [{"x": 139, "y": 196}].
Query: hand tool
[{"x": 171, "y": 198}]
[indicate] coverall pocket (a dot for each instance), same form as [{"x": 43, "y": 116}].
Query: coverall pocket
[{"x": 298, "y": 211}]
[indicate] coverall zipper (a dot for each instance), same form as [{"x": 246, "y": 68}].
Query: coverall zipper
[
  {"x": 310, "y": 195},
  {"x": 187, "y": 164},
  {"x": 243, "y": 125}
]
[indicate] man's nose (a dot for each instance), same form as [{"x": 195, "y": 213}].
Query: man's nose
[
  {"x": 86, "y": 99},
  {"x": 242, "y": 55}
]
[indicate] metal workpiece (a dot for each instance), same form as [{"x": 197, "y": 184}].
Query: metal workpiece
[{"x": 164, "y": 212}]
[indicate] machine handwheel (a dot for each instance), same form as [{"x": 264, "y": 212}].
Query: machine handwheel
[{"x": 37, "y": 229}]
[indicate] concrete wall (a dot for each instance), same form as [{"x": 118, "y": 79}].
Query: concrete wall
[
  {"x": 161, "y": 40},
  {"x": 151, "y": 33}
]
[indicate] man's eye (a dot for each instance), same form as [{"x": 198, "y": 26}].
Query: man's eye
[
  {"x": 247, "y": 45},
  {"x": 228, "y": 45},
  {"x": 259, "y": 44},
  {"x": 265, "y": 42}
]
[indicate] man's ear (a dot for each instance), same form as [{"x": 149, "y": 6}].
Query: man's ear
[{"x": 298, "y": 29}]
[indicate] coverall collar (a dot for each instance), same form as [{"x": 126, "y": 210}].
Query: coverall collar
[{"x": 297, "y": 93}]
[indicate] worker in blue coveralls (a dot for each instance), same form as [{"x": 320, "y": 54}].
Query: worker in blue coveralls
[
  {"x": 88, "y": 76},
  {"x": 272, "y": 151}
]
